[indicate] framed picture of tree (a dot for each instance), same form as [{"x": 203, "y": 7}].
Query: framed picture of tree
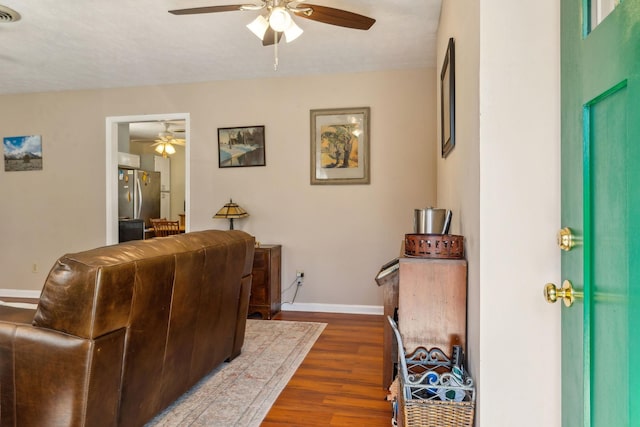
[{"x": 340, "y": 146}]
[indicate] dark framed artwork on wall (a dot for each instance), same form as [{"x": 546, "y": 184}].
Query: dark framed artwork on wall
[
  {"x": 448, "y": 100},
  {"x": 241, "y": 146}
]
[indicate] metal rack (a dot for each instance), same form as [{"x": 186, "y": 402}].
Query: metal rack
[{"x": 434, "y": 390}]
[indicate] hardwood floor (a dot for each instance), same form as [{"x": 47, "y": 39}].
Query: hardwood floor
[{"x": 340, "y": 381}]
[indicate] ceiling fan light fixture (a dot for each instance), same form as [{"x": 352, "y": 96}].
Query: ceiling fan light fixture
[
  {"x": 279, "y": 19},
  {"x": 292, "y": 32},
  {"x": 259, "y": 26},
  {"x": 165, "y": 148},
  {"x": 168, "y": 148}
]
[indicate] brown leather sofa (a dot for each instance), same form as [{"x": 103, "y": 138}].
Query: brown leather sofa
[{"x": 121, "y": 331}]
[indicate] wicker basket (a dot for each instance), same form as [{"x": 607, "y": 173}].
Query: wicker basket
[
  {"x": 435, "y": 413},
  {"x": 444, "y": 246}
]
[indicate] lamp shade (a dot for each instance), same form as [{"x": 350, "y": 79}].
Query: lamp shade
[
  {"x": 292, "y": 32},
  {"x": 259, "y": 26},
  {"x": 231, "y": 211},
  {"x": 279, "y": 19}
]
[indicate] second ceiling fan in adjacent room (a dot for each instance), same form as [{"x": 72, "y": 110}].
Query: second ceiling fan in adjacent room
[{"x": 164, "y": 145}]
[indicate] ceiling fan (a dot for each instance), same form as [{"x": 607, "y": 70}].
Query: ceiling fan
[
  {"x": 277, "y": 21},
  {"x": 165, "y": 144}
]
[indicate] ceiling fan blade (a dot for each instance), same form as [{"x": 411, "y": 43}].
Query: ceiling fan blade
[
  {"x": 339, "y": 17},
  {"x": 269, "y": 38},
  {"x": 207, "y": 9}
]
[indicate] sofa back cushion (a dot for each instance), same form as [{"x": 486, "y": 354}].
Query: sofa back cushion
[{"x": 90, "y": 293}]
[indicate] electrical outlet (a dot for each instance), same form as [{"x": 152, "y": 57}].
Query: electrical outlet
[
  {"x": 34, "y": 268},
  {"x": 299, "y": 277}
]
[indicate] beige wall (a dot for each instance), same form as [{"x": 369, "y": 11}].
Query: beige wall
[
  {"x": 339, "y": 235},
  {"x": 503, "y": 178},
  {"x": 459, "y": 174}
]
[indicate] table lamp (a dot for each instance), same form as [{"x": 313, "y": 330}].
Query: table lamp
[{"x": 231, "y": 211}]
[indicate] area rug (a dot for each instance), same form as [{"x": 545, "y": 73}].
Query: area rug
[{"x": 240, "y": 393}]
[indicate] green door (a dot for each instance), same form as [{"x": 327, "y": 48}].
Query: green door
[{"x": 601, "y": 204}]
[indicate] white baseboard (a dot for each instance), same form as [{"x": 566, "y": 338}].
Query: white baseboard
[
  {"x": 334, "y": 308},
  {"x": 19, "y": 293}
]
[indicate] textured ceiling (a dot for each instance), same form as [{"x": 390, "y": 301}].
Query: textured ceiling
[
  {"x": 91, "y": 44},
  {"x": 150, "y": 131}
]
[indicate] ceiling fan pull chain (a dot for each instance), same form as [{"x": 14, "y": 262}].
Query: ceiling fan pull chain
[{"x": 275, "y": 52}]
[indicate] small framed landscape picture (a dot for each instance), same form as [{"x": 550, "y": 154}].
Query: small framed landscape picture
[
  {"x": 340, "y": 146},
  {"x": 22, "y": 153},
  {"x": 241, "y": 146}
]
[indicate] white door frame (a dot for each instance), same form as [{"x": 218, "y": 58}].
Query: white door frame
[{"x": 112, "y": 167}]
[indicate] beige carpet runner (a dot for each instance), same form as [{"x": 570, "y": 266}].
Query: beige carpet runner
[{"x": 241, "y": 393}]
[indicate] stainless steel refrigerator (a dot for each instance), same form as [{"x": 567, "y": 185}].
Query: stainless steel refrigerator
[{"x": 138, "y": 195}]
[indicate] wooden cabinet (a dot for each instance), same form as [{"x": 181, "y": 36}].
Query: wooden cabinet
[
  {"x": 431, "y": 302},
  {"x": 265, "y": 285}
]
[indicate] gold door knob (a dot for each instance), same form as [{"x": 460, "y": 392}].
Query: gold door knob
[
  {"x": 566, "y": 239},
  {"x": 566, "y": 293}
]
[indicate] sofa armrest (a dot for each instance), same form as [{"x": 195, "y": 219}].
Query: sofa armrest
[{"x": 51, "y": 378}]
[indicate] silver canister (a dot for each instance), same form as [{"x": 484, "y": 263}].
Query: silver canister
[{"x": 430, "y": 221}]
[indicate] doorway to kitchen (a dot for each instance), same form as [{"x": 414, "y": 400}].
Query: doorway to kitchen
[{"x": 119, "y": 138}]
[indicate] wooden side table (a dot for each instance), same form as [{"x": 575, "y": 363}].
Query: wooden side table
[
  {"x": 265, "y": 285},
  {"x": 431, "y": 298}
]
